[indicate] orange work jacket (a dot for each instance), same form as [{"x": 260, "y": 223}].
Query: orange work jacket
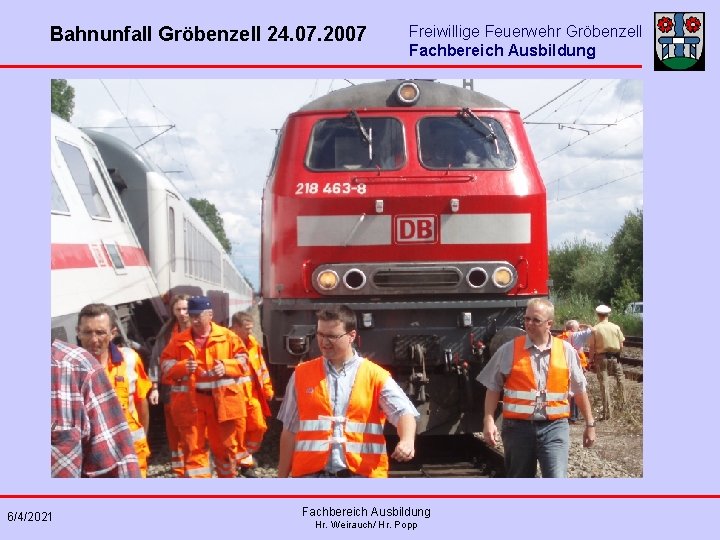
[
  {"x": 363, "y": 423},
  {"x": 127, "y": 375},
  {"x": 261, "y": 389},
  {"x": 228, "y": 391},
  {"x": 567, "y": 336},
  {"x": 520, "y": 391}
]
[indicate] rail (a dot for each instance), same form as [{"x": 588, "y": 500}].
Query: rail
[{"x": 636, "y": 341}]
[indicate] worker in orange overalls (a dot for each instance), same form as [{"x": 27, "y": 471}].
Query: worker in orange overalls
[
  {"x": 206, "y": 367},
  {"x": 177, "y": 323},
  {"x": 577, "y": 335},
  {"x": 260, "y": 391},
  {"x": 96, "y": 329}
]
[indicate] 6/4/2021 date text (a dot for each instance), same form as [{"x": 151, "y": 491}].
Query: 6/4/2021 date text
[{"x": 29, "y": 516}]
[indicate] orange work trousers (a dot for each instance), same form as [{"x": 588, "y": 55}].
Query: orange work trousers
[
  {"x": 173, "y": 438},
  {"x": 242, "y": 455},
  {"x": 194, "y": 440},
  {"x": 254, "y": 432},
  {"x": 142, "y": 450}
]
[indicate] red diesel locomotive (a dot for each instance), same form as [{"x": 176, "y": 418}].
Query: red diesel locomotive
[{"x": 421, "y": 207}]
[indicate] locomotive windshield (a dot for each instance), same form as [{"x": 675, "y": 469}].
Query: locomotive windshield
[
  {"x": 464, "y": 141},
  {"x": 356, "y": 143}
]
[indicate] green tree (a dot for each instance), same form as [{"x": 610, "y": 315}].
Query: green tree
[
  {"x": 62, "y": 98},
  {"x": 627, "y": 251},
  {"x": 565, "y": 261},
  {"x": 591, "y": 276},
  {"x": 212, "y": 218}
]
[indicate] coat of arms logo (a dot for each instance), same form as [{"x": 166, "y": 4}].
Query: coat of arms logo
[{"x": 679, "y": 41}]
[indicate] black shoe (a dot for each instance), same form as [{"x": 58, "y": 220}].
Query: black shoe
[{"x": 248, "y": 472}]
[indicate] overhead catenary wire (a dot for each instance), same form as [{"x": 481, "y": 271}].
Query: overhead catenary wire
[
  {"x": 593, "y": 188},
  {"x": 554, "y": 99},
  {"x": 588, "y": 164},
  {"x": 577, "y": 123}
]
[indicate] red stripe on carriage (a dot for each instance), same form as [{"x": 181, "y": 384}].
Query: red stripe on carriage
[{"x": 76, "y": 256}]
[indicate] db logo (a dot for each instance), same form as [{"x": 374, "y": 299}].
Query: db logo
[{"x": 415, "y": 229}]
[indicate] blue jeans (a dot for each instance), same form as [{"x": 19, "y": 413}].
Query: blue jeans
[
  {"x": 528, "y": 442},
  {"x": 574, "y": 409}
]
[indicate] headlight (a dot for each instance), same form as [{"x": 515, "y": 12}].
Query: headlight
[
  {"x": 354, "y": 279},
  {"x": 476, "y": 277},
  {"x": 327, "y": 280},
  {"x": 502, "y": 277},
  {"x": 407, "y": 93}
]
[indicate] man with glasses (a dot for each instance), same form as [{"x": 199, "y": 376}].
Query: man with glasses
[
  {"x": 536, "y": 374},
  {"x": 96, "y": 329},
  {"x": 206, "y": 366},
  {"x": 335, "y": 408}
]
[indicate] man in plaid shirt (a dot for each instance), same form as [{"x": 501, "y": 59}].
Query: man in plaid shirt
[{"x": 89, "y": 435}]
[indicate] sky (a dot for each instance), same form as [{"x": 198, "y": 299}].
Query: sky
[{"x": 587, "y": 136}]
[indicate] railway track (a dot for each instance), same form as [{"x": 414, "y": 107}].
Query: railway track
[
  {"x": 632, "y": 358},
  {"x": 441, "y": 456}
]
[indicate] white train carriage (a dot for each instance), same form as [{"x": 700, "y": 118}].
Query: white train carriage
[
  {"x": 95, "y": 255},
  {"x": 183, "y": 252}
]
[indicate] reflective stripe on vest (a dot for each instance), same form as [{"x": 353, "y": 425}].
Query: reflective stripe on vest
[
  {"x": 362, "y": 425},
  {"x": 209, "y": 385},
  {"x": 520, "y": 392},
  {"x": 219, "y": 383}
]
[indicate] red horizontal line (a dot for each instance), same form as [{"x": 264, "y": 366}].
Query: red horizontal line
[
  {"x": 365, "y": 496},
  {"x": 320, "y": 66}
]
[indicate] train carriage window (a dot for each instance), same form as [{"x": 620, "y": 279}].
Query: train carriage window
[
  {"x": 113, "y": 251},
  {"x": 110, "y": 189},
  {"x": 84, "y": 180},
  {"x": 464, "y": 143},
  {"x": 58, "y": 201},
  {"x": 171, "y": 237},
  {"x": 356, "y": 143}
]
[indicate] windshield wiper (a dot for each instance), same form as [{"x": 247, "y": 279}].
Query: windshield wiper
[
  {"x": 366, "y": 133},
  {"x": 486, "y": 130}
]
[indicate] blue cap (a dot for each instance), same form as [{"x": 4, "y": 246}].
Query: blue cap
[{"x": 198, "y": 304}]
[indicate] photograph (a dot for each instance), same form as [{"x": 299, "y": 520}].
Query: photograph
[{"x": 347, "y": 278}]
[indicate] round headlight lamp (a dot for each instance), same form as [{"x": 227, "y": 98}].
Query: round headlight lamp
[
  {"x": 327, "y": 280},
  {"x": 407, "y": 93},
  {"x": 502, "y": 277}
]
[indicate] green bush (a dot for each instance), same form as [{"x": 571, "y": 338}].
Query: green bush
[{"x": 581, "y": 308}]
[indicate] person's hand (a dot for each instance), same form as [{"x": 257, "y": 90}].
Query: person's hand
[
  {"x": 218, "y": 369},
  {"x": 191, "y": 366},
  {"x": 589, "y": 436},
  {"x": 242, "y": 360},
  {"x": 491, "y": 436},
  {"x": 153, "y": 396},
  {"x": 404, "y": 451}
]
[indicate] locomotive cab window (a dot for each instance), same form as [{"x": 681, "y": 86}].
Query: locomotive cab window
[
  {"x": 464, "y": 141},
  {"x": 356, "y": 143}
]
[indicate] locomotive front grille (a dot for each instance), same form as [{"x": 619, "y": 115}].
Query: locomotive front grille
[{"x": 427, "y": 278}]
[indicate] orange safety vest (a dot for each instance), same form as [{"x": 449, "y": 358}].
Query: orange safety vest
[
  {"x": 567, "y": 336},
  {"x": 363, "y": 423},
  {"x": 520, "y": 391}
]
